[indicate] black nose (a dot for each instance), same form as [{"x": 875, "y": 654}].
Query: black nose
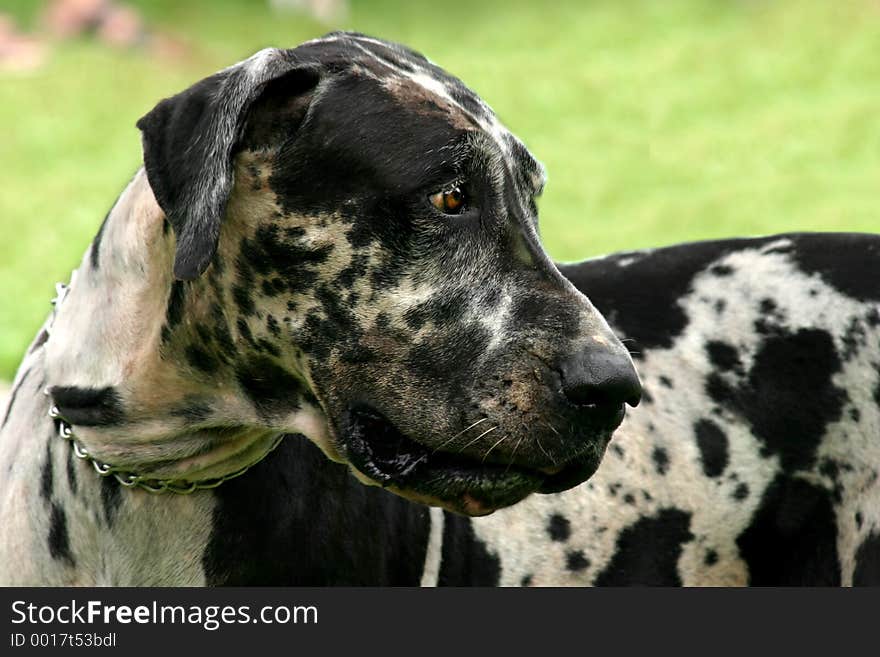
[{"x": 602, "y": 378}]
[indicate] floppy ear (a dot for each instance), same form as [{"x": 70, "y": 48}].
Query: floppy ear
[{"x": 189, "y": 142}]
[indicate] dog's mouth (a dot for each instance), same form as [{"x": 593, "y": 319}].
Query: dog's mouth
[{"x": 455, "y": 481}]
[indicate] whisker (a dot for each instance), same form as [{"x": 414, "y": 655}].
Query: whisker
[
  {"x": 477, "y": 438},
  {"x": 552, "y": 460},
  {"x": 446, "y": 442},
  {"x": 515, "y": 447},
  {"x": 422, "y": 458},
  {"x": 551, "y": 427},
  {"x": 500, "y": 440}
]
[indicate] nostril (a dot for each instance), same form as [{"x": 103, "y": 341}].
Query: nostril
[
  {"x": 582, "y": 394},
  {"x": 606, "y": 380},
  {"x": 610, "y": 392}
]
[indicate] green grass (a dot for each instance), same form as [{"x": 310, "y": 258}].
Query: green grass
[{"x": 658, "y": 121}]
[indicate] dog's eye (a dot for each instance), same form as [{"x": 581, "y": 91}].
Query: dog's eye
[{"x": 449, "y": 201}]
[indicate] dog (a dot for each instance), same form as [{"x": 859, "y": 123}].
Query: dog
[{"x": 329, "y": 265}]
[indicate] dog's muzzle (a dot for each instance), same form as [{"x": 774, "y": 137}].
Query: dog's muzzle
[{"x": 463, "y": 483}]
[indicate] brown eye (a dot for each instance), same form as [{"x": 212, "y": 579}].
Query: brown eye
[{"x": 450, "y": 201}]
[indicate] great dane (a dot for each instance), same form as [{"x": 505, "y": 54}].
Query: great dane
[{"x": 329, "y": 265}]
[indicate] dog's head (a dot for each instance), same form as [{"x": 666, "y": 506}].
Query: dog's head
[{"x": 372, "y": 230}]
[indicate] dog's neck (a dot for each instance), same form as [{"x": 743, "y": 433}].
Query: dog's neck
[{"x": 128, "y": 366}]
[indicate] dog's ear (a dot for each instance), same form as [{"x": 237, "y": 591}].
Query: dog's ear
[{"x": 189, "y": 141}]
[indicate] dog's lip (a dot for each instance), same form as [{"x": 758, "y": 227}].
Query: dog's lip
[{"x": 459, "y": 483}]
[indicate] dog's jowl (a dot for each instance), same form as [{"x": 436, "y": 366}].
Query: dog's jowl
[{"x": 329, "y": 266}]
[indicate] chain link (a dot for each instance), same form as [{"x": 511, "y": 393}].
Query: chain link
[
  {"x": 124, "y": 477},
  {"x": 132, "y": 480}
]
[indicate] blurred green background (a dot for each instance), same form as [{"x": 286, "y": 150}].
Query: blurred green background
[{"x": 659, "y": 121}]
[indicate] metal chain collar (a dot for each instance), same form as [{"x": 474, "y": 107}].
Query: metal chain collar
[{"x": 130, "y": 479}]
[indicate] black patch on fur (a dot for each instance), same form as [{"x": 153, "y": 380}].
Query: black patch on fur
[
  {"x": 201, "y": 359},
  {"x": 853, "y": 338},
  {"x": 867, "y": 570},
  {"x": 193, "y": 411},
  {"x": 47, "y": 475},
  {"x": 465, "y": 559},
  {"x": 242, "y": 291},
  {"x": 741, "y": 492},
  {"x": 721, "y": 270},
  {"x": 272, "y": 326},
  {"x": 281, "y": 254},
  {"x": 96, "y": 243},
  {"x": 39, "y": 341},
  {"x": 559, "y": 527},
  {"x": 647, "y": 551},
  {"x": 222, "y": 335},
  {"x": 272, "y": 389},
  {"x": 111, "y": 498},
  {"x": 88, "y": 406},
  {"x": 788, "y": 397},
  {"x": 59, "y": 541},
  {"x": 176, "y": 301},
  {"x": 792, "y": 538},
  {"x": 767, "y": 306},
  {"x": 710, "y": 558},
  {"x": 442, "y": 309},
  {"x": 848, "y": 262},
  {"x": 526, "y": 580},
  {"x": 576, "y": 561},
  {"x": 245, "y": 332},
  {"x": 204, "y": 333},
  {"x": 356, "y": 269},
  {"x": 272, "y": 287},
  {"x": 358, "y": 353},
  {"x": 435, "y": 359},
  {"x": 338, "y": 328},
  {"x": 267, "y": 347},
  {"x": 723, "y": 356},
  {"x": 358, "y": 535},
  {"x": 661, "y": 460},
  {"x": 72, "y": 480},
  {"x": 666, "y": 382},
  {"x": 712, "y": 442}
]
